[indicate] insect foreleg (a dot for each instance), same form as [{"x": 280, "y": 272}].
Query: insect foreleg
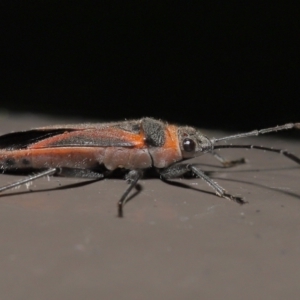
[
  {"x": 31, "y": 178},
  {"x": 180, "y": 169},
  {"x": 132, "y": 177},
  {"x": 174, "y": 171},
  {"x": 228, "y": 163},
  {"x": 221, "y": 192}
]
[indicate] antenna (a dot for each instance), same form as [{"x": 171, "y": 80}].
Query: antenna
[
  {"x": 257, "y": 132},
  {"x": 286, "y": 153}
]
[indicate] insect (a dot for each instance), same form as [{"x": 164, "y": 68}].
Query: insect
[{"x": 98, "y": 150}]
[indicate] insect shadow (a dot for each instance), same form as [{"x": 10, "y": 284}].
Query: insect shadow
[
  {"x": 214, "y": 174},
  {"x": 288, "y": 193},
  {"x": 138, "y": 187},
  {"x": 63, "y": 187}
]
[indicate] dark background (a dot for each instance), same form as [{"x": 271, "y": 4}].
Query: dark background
[{"x": 209, "y": 64}]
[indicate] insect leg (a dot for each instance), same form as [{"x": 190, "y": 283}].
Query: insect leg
[
  {"x": 221, "y": 192},
  {"x": 132, "y": 177},
  {"x": 174, "y": 171},
  {"x": 81, "y": 173},
  {"x": 228, "y": 163},
  {"x": 48, "y": 172},
  {"x": 178, "y": 170}
]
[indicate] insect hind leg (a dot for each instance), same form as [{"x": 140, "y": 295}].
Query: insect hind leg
[
  {"x": 80, "y": 173},
  {"x": 132, "y": 178},
  {"x": 48, "y": 172}
]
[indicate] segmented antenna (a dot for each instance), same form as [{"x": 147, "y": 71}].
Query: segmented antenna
[
  {"x": 286, "y": 153},
  {"x": 257, "y": 132}
]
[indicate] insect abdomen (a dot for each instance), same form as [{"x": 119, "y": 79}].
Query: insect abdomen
[
  {"x": 81, "y": 158},
  {"x": 121, "y": 157}
]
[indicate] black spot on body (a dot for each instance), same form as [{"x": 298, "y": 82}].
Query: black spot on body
[
  {"x": 10, "y": 162},
  {"x": 25, "y": 162},
  {"x": 154, "y": 132}
]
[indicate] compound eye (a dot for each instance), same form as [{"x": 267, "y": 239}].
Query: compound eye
[{"x": 189, "y": 145}]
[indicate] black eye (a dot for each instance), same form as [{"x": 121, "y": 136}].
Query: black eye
[{"x": 189, "y": 145}]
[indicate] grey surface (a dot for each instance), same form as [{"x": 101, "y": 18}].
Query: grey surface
[{"x": 174, "y": 243}]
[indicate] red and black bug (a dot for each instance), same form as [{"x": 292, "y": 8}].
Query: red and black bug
[{"x": 97, "y": 150}]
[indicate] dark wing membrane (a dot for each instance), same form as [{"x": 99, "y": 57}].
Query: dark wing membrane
[
  {"x": 84, "y": 136},
  {"x": 82, "y": 139},
  {"x": 22, "y": 139}
]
